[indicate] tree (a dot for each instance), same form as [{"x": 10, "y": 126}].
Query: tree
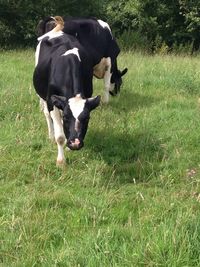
[
  {"x": 136, "y": 23},
  {"x": 19, "y": 18},
  {"x": 191, "y": 11}
]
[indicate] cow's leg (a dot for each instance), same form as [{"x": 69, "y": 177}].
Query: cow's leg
[
  {"x": 59, "y": 135},
  {"x": 107, "y": 81},
  {"x": 43, "y": 105}
]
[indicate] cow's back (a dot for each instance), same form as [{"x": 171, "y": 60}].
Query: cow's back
[{"x": 95, "y": 35}]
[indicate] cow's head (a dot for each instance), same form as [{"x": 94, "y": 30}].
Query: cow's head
[
  {"x": 76, "y": 115},
  {"x": 116, "y": 81},
  {"x": 48, "y": 24}
]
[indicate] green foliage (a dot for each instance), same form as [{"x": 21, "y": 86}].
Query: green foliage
[
  {"x": 133, "y": 40},
  {"x": 122, "y": 15},
  {"x": 159, "y": 23},
  {"x": 191, "y": 11},
  {"x": 19, "y": 19},
  {"x": 150, "y": 24}
]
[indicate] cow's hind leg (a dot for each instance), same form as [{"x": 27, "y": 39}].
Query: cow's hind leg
[
  {"x": 44, "y": 108},
  {"x": 59, "y": 135}
]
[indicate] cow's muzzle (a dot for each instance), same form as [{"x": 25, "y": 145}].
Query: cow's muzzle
[
  {"x": 75, "y": 144},
  {"x": 114, "y": 91}
]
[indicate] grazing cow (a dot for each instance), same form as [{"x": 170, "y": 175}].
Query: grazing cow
[
  {"x": 63, "y": 80},
  {"x": 96, "y": 37}
]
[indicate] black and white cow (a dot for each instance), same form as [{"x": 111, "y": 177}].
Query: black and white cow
[
  {"x": 96, "y": 37},
  {"x": 63, "y": 80}
]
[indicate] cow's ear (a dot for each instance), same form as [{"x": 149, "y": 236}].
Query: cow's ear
[
  {"x": 93, "y": 102},
  {"x": 40, "y": 28},
  {"x": 59, "y": 101},
  {"x": 124, "y": 72}
]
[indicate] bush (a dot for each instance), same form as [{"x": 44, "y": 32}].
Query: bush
[
  {"x": 133, "y": 40},
  {"x": 6, "y": 33},
  {"x": 152, "y": 25}
]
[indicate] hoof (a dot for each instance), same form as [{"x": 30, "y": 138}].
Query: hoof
[{"x": 60, "y": 163}]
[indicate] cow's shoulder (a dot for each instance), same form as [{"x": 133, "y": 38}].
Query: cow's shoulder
[
  {"x": 52, "y": 42},
  {"x": 79, "y": 26}
]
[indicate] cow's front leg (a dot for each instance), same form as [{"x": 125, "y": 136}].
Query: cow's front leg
[
  {"x": 59, "y": 135},
  {"x": 107, "y": 81},
  {"x": 43, "y": 105}
]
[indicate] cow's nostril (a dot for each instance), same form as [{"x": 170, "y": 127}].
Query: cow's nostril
[{"x": 75, "y": 142}]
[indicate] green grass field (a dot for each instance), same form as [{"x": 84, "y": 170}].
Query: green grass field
[{"x": 130, "y": 197}]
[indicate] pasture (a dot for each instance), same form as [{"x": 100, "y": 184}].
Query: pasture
[{"x": 130, "y": 197}]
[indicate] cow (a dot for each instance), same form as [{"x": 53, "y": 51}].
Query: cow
[
  {"x": 96, "y": 37},
  {"x": 63, "y": 80}
]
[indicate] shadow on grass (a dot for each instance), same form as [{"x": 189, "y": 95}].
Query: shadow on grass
[
  {"x": 129, "y": 101},
  {"x": 132, "y": 158}
]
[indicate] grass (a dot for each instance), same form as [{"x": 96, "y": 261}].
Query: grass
[{"x": 130, "y": 197}]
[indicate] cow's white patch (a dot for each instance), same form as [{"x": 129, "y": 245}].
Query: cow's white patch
[
  {"x": 103, "y": 70},
  {"x": 52, "y": 34},
  {"x": 104, "y": 25},
  {"x": 37, "y": 53},
  {"x": 59, "y": 134},
  {"x": 77, "y": 123},
  {"x": 107, "y": 81},
  {"x": 43, "y": 105},
  {"x": 100, "y": 69},
  {"x": 56, "y": 34},
  {"x": 77, "y": 105},
  {"x": 72, "y": 51}
]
